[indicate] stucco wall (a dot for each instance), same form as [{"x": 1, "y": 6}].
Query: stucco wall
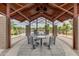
[{"x": 3, "y": 32}]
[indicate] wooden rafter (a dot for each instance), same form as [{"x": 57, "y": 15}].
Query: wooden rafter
[
  {"x": 20, "y": 13},
  {"x": 48, "y": 17},
  {"x": 25, "y": 10},
  {"x": 33, "y": 17},
  {"x": 63, "y": 4},
  {"x": 62, "y": 13},
  {"x": 2, "y": 13},
  {"x": 62, "y": 9},
  {"x": 19, "y": 4},
  {"x": 26, "y": 6}
]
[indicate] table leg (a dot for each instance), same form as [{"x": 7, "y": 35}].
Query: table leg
[
  {"x": 33, "y": 46},
  {"x": 41, "y": 42}
]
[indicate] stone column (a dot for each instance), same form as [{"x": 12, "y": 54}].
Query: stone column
[{"x": 4, "y": 32}]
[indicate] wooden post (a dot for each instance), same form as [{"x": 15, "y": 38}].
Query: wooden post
[
  {"x": 36, "y": 26},
  {"x": 29, "y": 28},
  {"x": 75, "y": 28},
  {"x": 46, "y": 29},
  {"x": 53, "y": 28},
  {"x": 8, "y": 25},
  {"x": 28, "y": 31},
  {"x": 54, "y": 31}
]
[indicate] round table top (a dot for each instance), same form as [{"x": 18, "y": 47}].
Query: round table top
[{"x": 41, "y": 36}]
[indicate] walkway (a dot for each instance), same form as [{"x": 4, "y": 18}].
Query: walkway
[
  {"x": 68, "y": 40},
  {"x": 14, "y": 41},
  {"x": 23, "y": 49},
  {"x": 56, "y": 50}
]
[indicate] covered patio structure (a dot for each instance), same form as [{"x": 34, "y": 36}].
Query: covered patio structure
[{"x": 31, "y": 11}]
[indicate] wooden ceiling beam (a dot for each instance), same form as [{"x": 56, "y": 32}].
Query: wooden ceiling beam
[
  {"x": 2, "y": 13},
  {"x": 28, "y": 5},
  {"x": 46, "y": 16},
  {"x": 8, "y": 10},
  {"x": 63, "y": 4},
  {"x": 40, "y": 15},
  {"x": 18, "y": 10},
  {"x": 62, "y": 9},
  {"x": 62, "y": 13},
  {"x": 20, "y": 13},
  {"x": 19, "y": 4}
]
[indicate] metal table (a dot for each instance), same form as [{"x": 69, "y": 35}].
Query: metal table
[{"x": 41, "y": 37}]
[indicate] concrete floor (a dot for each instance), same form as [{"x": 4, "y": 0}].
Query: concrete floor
[{"x": 21, "y": 48}]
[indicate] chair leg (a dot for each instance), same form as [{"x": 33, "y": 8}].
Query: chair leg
[
  {"x": 28, "y": 40},
  {"x": 49, "y": 43},
  {"x": 54, "y": 40},
  {"x": 41, "y": 42},
  {"x": 33, "y": 46}
]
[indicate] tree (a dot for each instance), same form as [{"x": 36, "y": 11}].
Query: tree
[
  {"x": 59, "y": 29},
  {"x": 47, "y": 28},
  {"x": 66, "y": 28},
  {"x": 14, "y": 29}
]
